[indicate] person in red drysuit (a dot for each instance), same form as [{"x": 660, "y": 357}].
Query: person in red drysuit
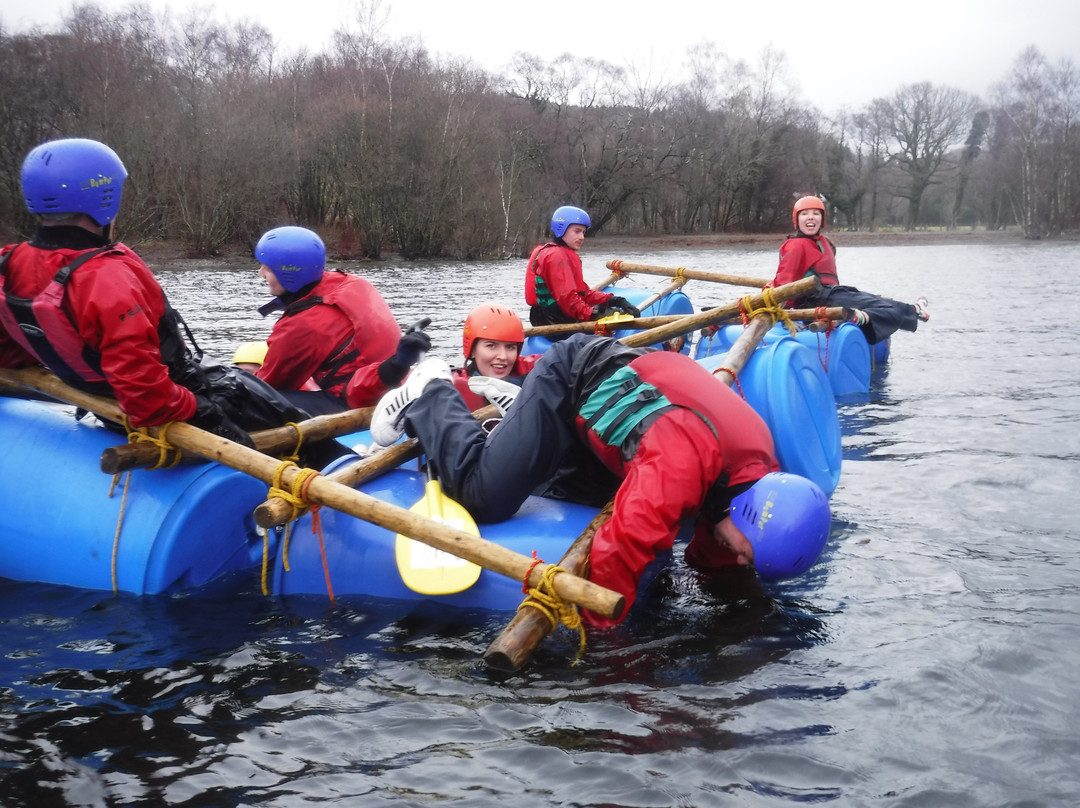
[
  {"x": 809, "y": 253},
  {"x": 90, "y": 310},
  {"x": 335, "y": 329},
  {"x": 554, "y": 287},
  {"x": 678, "y": 441}
]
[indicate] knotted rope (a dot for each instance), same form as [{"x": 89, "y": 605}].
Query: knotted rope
[
  {"x": 296, "y": 497},
  {"x": 168, "y": 455},
  {"x": 776, "y": 312},
  {"x": 829, "y": 327},
  {"x": 546, "y": 600}
]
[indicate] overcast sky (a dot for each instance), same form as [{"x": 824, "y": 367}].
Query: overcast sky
[{"x": 840, "y": 53}]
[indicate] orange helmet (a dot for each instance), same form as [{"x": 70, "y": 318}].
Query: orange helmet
[
  {"x": 807, "y": 203},
  {"x": 491, "y": 321}
]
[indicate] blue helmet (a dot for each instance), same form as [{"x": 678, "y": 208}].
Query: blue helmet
[
  {"x": 566, "y": 216},
  {"x": 786, "y": 518},
  {"x": 296, "y": 256},
  {"x": 73, "y": 175}
]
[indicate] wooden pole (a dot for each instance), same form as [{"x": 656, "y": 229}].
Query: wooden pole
[
  {"x": 276, "y": 511},
  {"x": 639, "y": 323},
  {"x": 323, "y": 491},
  {"x": 512, "y": 648},
  {"x": 619, "y": 267},
  {"x": 117, "y": 459}
]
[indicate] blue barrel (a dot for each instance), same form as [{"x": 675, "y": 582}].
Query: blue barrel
[
  {"x": 360, "y": 555},
  {"x": 879, "y": 352},
  {"x": 181, "y": 527},
  {"x": 675, "y": 303},
  {"x": 844, "y": 353},
  {"x": 785, "y": 384}
]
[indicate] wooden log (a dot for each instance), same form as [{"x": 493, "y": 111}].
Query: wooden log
[
  {"x": 512, "y": 648},
  {"x": 330, "y": 494},
  {"x": 619, "y": 267},
  {"x": 117, "y": 459},
  {"x": 663, "y": 328},
  {"x": 641, "y": 323},
  {"x": 276, "y": 511}
]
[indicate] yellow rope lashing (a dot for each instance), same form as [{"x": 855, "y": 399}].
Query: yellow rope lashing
[
  {"x": 296, "y": 497},
  {"x": 168, "y": 455},
  {"x": 295, "y": 455},
  {"x": 544, "y": 598},
  {"x": 119, "y": 525},
  {"x": 773, "y": 309}
]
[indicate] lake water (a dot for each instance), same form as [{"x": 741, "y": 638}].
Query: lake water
[{"x": 929, "y": 659}]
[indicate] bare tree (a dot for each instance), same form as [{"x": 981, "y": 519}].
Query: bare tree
[{"x": 926, "y": 122}]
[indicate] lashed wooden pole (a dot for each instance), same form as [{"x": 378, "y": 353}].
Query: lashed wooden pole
[
  {"x": 619, "y": 268},
  {"x": 117, "y": 459},
  {"x": 642, "y": 323}
]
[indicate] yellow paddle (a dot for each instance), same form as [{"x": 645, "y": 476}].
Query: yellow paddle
[{"x": 425, "y": 569}]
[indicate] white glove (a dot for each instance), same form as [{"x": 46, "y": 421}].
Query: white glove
[{"x": 496, "y": 391}]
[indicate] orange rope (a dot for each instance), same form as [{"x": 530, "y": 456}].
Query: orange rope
[
  {"x": 529, "y": 572},
  {"x": 734, "y": 376}
]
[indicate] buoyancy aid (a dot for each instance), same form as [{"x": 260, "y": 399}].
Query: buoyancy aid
[
  {"x": 43, "y": 326},
  {"x": 536, "y": 291},
  {"x": 632, "y": 397},
  {"x": 361, "y": 303},
  {"x": 825, "y": 267}
]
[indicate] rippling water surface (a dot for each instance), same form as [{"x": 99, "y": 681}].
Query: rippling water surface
[{"x": 930, "y": 659}]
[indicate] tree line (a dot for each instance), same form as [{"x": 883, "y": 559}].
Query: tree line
[{"x": 379, "y": 146}]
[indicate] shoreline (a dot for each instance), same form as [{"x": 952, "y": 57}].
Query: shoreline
[{"x": 157, "y": 254}]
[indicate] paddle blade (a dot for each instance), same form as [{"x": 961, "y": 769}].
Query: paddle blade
[{"x": 428, "y": 570}]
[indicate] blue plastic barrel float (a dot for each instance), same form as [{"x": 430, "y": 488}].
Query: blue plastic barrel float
[
  {"x": 674, "y": 303},
  {"x": 361, "y": 560},
  {"x": 785, "y": 384},
  {"x": 844, "y": 353},
  {"x": 879, "y": 352},
  {"x": 181, "y": 527}
]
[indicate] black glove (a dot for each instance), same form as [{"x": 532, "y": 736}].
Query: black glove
[
  {"x": 598, "y": 311},
  {"x": 209, "y": 416},
  {"x": 413, "y": 344},
  {"x": 624, "y": 305}
]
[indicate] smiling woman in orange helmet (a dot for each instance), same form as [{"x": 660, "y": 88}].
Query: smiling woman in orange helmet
[
  {"x": 809, "y": 253},
  {"x": 491, "y": 344}
]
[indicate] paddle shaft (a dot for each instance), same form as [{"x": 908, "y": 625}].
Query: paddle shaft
[
  {"x": 117, "y": 459},
  {"x": 323, "y": 491},
  {"x": 512, "y": 648}
]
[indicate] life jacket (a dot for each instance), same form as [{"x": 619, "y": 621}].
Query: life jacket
[
  {"x": 45, "y": 329},
  {"x": 544, "y": 309},
  {"x": 623, "y": 405},
  {"x": 361, "y": 303},
  {"x": 824, "y": 267}
]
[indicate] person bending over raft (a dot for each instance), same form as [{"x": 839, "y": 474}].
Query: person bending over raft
[
  {"x": 491, "y": 342},
  {"x": 335, "y": 328},
  {"x": 808, "y": 253},
  {"x": 682, "y": 443},
  {"x": 554, "y": 287},
  {"x": 90, "y": 310}
]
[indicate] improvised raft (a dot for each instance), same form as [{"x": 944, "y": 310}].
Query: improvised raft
[{"x": 163, "y": 530}]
